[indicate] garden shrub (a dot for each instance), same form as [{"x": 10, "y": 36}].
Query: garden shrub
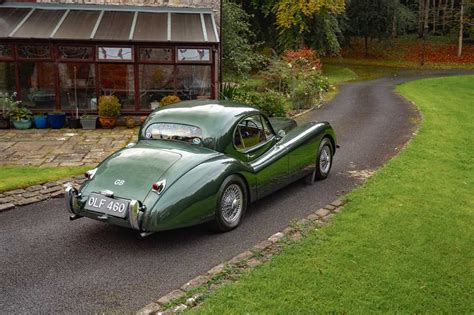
[
  {"x": 303, "y": 59},
  {"x": 271, "y": 103},
  {"x": 228, "y": 91},
  {"x": 309, "y": 89},
  {"x": 109, "y": 106}
]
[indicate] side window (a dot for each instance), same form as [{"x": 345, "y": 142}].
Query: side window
[
  {"x": 267, "y": 129},
  {"x": 250, "y": 132}
]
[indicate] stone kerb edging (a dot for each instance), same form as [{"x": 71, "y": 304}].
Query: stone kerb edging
[
  {"x": 22, "y": 197},
  {"x": 192, "y": 293}
]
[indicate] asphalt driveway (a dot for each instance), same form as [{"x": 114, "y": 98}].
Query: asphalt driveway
[{"x": 49, "y": 264}]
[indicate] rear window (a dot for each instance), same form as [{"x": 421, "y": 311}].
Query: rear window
[{"x": 172, "y": 131}]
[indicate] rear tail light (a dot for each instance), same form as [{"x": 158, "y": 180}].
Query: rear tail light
[
  {"x": 90, "y": 174},
  {"x": 158, "y": 187}
]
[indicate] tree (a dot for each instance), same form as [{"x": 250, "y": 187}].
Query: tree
[
  {"x": 237, "y": 37},
  {"x": 369, "y": 19},
  {"x": 290, "y": 13},
  {"x": 312, "y": 23}
]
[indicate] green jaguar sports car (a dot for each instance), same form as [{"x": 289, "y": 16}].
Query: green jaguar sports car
[{"x": 201, "y": 161}]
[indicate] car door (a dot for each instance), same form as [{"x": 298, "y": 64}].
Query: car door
[{"x": 256, "y": 141}]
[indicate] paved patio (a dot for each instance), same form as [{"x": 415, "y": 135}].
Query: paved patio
[{"x": 61, "y": 147}]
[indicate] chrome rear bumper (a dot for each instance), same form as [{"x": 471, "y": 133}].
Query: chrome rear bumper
[{"x": 135, "y": 209}]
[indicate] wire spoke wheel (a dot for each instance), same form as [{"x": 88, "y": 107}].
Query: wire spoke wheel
[
  {"x": 325, "y": 160},
  {"x": 231, "y": 204}
]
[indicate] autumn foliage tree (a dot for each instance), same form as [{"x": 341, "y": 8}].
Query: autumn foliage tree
[
  {"x": 291, "y": 13},
  {"x": 312, "y": 23}
]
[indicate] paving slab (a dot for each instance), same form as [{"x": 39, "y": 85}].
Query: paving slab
[{"x": 63, "y": 147}]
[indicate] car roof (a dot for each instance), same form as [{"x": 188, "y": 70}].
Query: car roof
[{"x": 215, "y": 118}]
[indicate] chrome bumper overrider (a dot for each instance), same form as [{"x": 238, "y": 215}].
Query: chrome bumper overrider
[
  {"x": 135, "y": 214},
  {"x": 70, "y": 196},
  {"x": 135, "y": 209}
]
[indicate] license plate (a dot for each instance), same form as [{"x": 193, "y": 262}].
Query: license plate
[{"x": 103, "y": 204}]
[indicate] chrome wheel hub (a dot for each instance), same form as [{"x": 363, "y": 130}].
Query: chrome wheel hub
[
  {"x": 232, "y": 203},
  {"x": 325, "y": 160}
]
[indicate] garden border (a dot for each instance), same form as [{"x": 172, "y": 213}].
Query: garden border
[
  {"x": 193, "y": 293},
  {"x": 24, "y": 196}
]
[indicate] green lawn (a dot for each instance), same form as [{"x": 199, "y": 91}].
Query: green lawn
[
  {"x": 404, "y": 242},
  {"x": 400, "y": 64},
  {"x": 337, "y": 74},
  {"x": 14, "y": 177}
]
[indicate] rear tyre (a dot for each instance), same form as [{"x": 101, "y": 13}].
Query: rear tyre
[
  {"x": 231, "y": 204},
  {"x": 323, "y": 162}
]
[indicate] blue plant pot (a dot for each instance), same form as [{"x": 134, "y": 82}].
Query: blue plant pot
[
  {"x": 56, "y": 121},
  {"x": 40, "y": 121},
  {"x": 22, "y": 124}
]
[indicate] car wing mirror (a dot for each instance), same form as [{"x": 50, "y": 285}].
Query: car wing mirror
[{"x": 281, "y": 134}]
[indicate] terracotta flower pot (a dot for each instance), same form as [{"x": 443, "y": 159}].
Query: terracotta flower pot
[
  {"x": 108, "y": 122},
  {"x": 129, "y": 121}
]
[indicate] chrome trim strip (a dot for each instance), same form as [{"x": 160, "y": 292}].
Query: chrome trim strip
[
  {"x": 203, "y": 26},
  {"x": 56, "y": 28},
  {"x": 134, "y": 24},
  {"x": 97, "y": 23},
  {"x": 21, "y": 23}
]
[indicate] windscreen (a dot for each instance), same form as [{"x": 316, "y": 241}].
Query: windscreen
[{"x": 173, "y": 131}]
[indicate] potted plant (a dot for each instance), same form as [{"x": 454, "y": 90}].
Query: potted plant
[
  {"x": 129, "y": 121},
  {"x": 89, "y": 121},
  {"x": 41, "y": 121},
  {"x": 74, "y": 122},
  {"x": 170, "y": 99},
  {"x": 57, "y": 120},
  {"x": 21, "y": 117},
  {"x": 109, "y": 110},
  {"x": 7, "y": 102}
]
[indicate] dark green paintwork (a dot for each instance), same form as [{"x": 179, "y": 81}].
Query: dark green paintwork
[{"x": 195, "y": 173}]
